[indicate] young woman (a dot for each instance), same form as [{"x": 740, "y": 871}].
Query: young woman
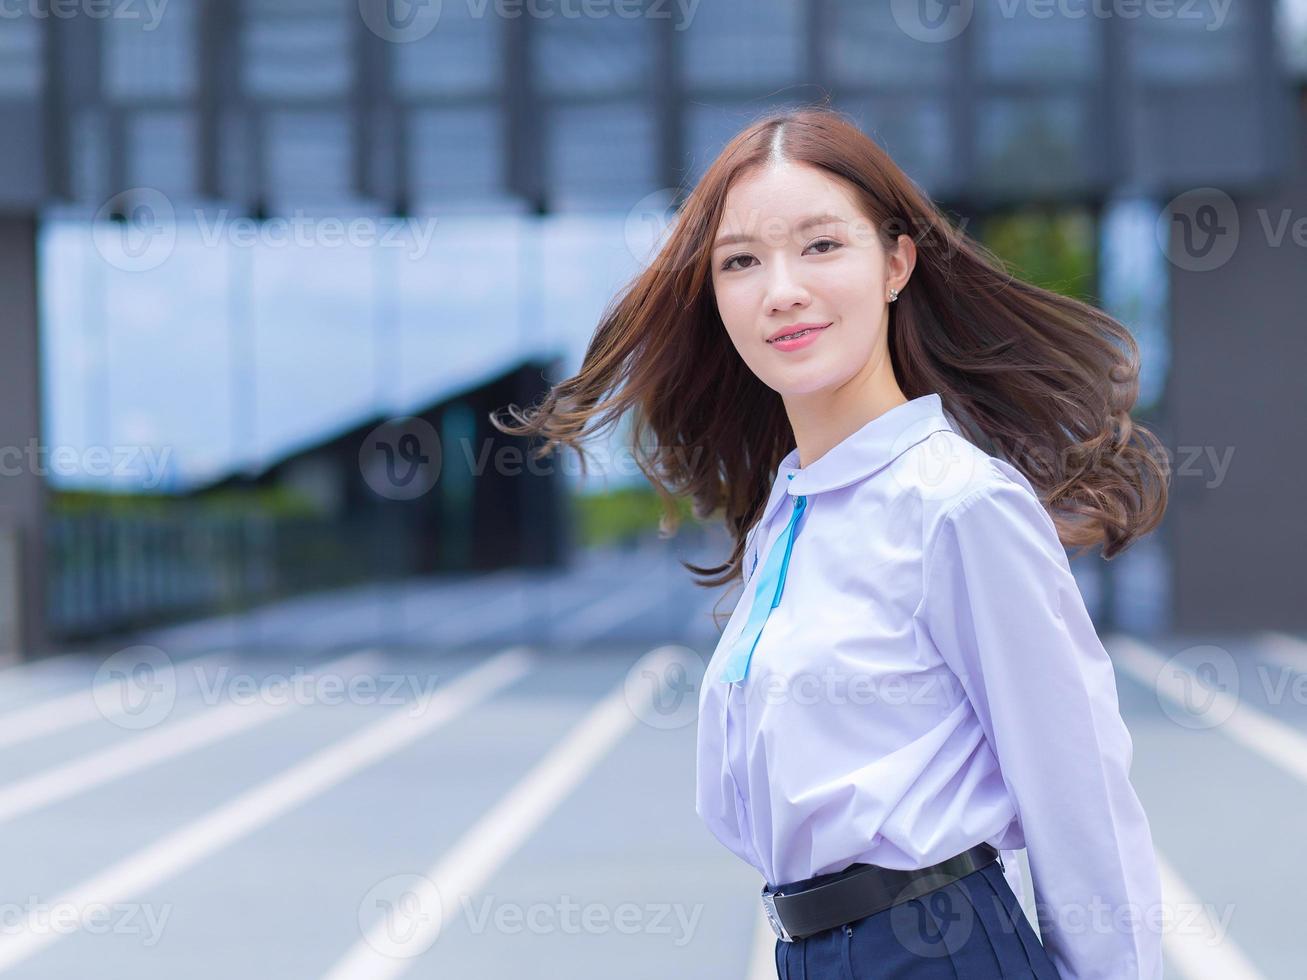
[{"x": 901, "y": 437}]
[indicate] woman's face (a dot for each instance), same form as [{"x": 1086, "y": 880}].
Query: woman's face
[{"x": 785, "y": 270}]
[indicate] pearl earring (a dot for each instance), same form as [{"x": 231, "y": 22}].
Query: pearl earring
[{"x": 893, "y": 294}]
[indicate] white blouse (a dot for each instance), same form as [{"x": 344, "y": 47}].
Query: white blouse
[{"x": 926, "y": 677}]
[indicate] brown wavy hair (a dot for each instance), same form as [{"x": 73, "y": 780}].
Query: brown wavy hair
[{"x": 1038, "y": 379}]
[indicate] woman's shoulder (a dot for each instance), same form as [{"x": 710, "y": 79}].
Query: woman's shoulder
[{"x": 951, "y": 476}]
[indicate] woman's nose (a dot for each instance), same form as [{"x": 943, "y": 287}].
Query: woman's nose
[{"x": 784, "y": 290}]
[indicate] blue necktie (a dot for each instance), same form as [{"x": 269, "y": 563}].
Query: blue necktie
[{"x": 766, "y": 597}]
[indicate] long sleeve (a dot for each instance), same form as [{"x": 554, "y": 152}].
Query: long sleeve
[{"x": 1005, "y": 613}]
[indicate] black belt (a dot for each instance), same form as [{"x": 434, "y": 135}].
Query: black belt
[{"x": 860, "y": 890}]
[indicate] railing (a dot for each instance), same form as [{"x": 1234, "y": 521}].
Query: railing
[{"x": 109, "y": 572}]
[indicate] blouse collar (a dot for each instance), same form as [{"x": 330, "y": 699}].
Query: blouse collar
[{"x": 864, "y": 452}]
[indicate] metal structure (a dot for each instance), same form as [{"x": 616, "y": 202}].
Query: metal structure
[{"x": 364, "y": 104}]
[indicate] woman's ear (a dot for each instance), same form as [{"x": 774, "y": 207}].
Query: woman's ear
[{"x": 900, "y": 262}]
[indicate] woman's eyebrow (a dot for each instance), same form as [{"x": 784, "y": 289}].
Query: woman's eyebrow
[{"x": 808, "y": 222}]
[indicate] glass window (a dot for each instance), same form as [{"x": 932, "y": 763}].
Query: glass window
[
  {"x": 915, "y": 132},
  {"x": 729, "y": 45},
  {"x": 148, "y": 59},
  {"x": 463, "y": 56},
  {"x": 161, "y": 151},
  {"x": 1033, "y": 144},
  {"x": 89, "y": 152},
  {"x": 866, "y": 45},
  {"x": 601, "y": 152},
  {"x": 20, "y": 58},
  {"x": 297, "y": 48},
  {"x": 456, "y": 153},
  {"x": 1197, "y": 43},
  {"x": 581, "y": 57},
  {"x": 308, "y": 155},
  {"x": 1037, "y": 43}
]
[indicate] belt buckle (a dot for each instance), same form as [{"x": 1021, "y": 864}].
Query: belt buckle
[{"x": 773, "y": 917}]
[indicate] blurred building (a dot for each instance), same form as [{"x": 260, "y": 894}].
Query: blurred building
[{"x": 381, "y": 107}]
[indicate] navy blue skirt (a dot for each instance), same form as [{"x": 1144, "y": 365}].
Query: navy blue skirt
[{"x": 970, "y": 928}]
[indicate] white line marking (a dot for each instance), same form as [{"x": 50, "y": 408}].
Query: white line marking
[
  {"x": 1249, "y": 726},
  {"x": 1205, "y": 955},
  {"x": 262, "y": 804},
  {"x": 76, "y": 708},
  {"x": 149, "y": 748},
  {"x": 494, "y": 837}
]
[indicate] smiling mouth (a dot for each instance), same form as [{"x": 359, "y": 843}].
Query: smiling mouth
[{"x": 798, "y": 333}]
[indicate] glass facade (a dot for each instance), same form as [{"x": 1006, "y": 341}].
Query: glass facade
[{"x": 279, "y": 103}]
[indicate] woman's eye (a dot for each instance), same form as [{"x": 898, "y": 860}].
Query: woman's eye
[{"x": 729, "y": 264}]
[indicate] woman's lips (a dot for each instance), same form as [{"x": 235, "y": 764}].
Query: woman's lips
[{"x": 797, "y": 342}]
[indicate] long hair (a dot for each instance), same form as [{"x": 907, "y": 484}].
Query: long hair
[{"x": 1041, "y": 380}]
